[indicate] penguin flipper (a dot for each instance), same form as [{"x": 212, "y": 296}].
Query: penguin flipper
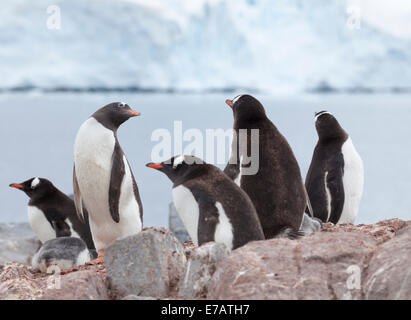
[
  {"x": 117, "y": 174},
  {"x": 136, "y": 194},
  {"x": 62, "y": 228},
  {"x": 208, "y": 219},
  {"x": 77, "y": 196},
  {"x": 335, "y": 186}
]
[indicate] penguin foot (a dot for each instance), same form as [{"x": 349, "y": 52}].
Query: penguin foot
[{"x": 100, "y": 258}]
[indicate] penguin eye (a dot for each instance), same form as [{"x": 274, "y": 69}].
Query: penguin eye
[{"x": 121, "y": 104}]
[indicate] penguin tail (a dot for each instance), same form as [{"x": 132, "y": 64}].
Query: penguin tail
[{"x": 290, "y": 233}]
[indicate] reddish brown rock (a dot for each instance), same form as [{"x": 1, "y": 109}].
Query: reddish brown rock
[
  {"x": 381, "y": 231},
  {"x": 389, "y": 272},
  {"x": 343, "y": 262},
  {"x": 315, "y": 267},
  {"x": 19, "y": 282},
  {"x": 81, "y": 285}
]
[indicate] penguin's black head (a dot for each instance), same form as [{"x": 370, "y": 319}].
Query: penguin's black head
[
  {"x": 35, "y": 187},
  {"x": 328, "y": 127},
  {"x": 179, "y": 167},
  {"x": 114, "y": 114},
  {"x": 246, "y": 107}
]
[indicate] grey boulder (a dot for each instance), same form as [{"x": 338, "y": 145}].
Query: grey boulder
[
  {"x": 200, "y": 268},
  {"x": 148, "y": 264}
]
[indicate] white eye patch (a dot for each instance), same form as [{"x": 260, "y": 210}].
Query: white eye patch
[
  {"x": 177, "y": 161},
  {"x": 35, "y": 182},
  {"x": 236, "y": 98}
]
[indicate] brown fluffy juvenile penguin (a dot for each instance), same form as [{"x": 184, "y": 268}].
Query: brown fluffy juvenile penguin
[{"x": 271, "y": 177}]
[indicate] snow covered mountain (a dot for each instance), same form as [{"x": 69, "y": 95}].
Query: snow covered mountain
[{"x": 274, "y": 46}]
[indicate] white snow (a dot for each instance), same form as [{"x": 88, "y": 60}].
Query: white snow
[{"x": 281, "y": 46}]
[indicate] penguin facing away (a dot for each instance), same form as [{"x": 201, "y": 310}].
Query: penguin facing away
[
  {"x": 63, "y": 252},
  {"x": 103, "y": 179},
  {"x": 277, "y": 189},
  {"x": 335, "y": 178},
  {"x": 52, "y": 213},
  {"x": 211, "y": 206}
]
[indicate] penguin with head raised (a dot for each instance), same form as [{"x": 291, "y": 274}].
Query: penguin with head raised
[
  {"x": 63, "y": 253},
  {"x": 335, "y": 178},
  {"x": 211, "y": 206},
  {"x": 53, "y": 214},
  {"x": 103, "y": 179},
  {"x": 275, "y": 185}
]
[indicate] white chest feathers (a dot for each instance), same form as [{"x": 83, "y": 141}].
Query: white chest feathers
[
  {"x": 189, "y": 212},
  {"x": 353, "y": 181},
  {"x": 93, "y": 153},
  {"x": 40, "y": 225},
  {"x": 93, "y": 150},
  {"x": 224, "y": 229}
]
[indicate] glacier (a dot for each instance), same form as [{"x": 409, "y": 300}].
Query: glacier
[{"x": 277, "y": 47}]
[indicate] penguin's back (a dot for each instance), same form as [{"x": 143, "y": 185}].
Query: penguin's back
[{"x": 277, "y": 189}]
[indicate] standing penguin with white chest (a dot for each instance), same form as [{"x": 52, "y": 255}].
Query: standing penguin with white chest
[
  {"x": 211, "y": 206},
  {"x": 51, "y": 213},
  {"x": 276, "y": 188},
  {"x": 336, "y": 175},
  {"x": 103, "y": 179}
]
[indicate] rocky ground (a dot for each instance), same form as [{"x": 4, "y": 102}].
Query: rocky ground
[{"x": 341, "y": 262}]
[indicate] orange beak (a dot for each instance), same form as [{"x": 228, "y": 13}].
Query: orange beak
[
  {"x": 134, "y": 113},
  {"x": 17, "y": 186},
  {"x": 154, "y": 165},
  {"x": 229, "y": 103}
]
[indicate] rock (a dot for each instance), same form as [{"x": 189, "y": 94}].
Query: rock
[
  {"x": 176, "y": 225},
  {"x": 81, "y": 285},
  {"x": 200, "y": 267},
  {"x": 388, "y": 275},
  {"x": 315, "y": 267},
  {"x": 18, "y": 243},
  {"x": 19, "y": 282},
  {"x": 134, "y": 297},
  {"x": 146, "y": 264},
  {"x": 381, "y": 231}
]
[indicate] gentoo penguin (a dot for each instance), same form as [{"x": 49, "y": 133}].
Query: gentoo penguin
[
  {"x": 211, "y": 206},
  {"x": 64, "y": 252},
  {"x": 53, "y": 214},
  {"x": 335, "y": 178},
  {"x": 276, "y": 188},
  {"x": 103, "y": 179}
]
